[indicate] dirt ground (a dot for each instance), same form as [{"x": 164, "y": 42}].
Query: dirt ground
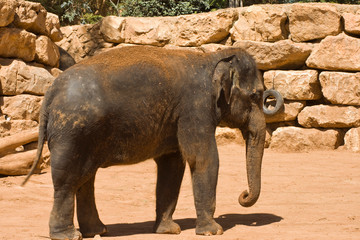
[{"x": 314, "y": 195}]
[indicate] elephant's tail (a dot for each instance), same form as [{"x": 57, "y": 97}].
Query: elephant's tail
[{"x": 41, "y": 140}]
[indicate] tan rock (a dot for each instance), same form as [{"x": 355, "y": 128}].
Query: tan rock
[
  {"x": 352, "y": 140},
  {"x": 294, "y": 85},
  {"x": 71, "y": 43},
  {"x": 52, "y": 24},
  {"x": 55, "y": 72},
  {"x": 147, "y": 30},
  {"x": 340, "y": 52},
  {"x": 7, "y": 12},
  {"x": 198, "y": 29},
  {"x": 288, "y": 113},
  {"x": 226, "y": 135},
  {"x": 260, "y": 23},
  {"x": 295, "y": 139},
  {"x": 17, "y": 164},
  {"x": 326, "y": 116},
  {"x": 21, "y": 107},
  {"x": 212, "y": 47},
  {"x": 283, "y": 54},
  {"x": 112, "y": 27},
  {"x": 82, "y": 41},
  {"x": 17, "y": 43},
  {"x": 31, "y": 16},
  {"x": 352, "y": 22},
  {"x": 341, "y": 88},
  {"x": 47, "y": 52},
  {"x": 10, "y": 127},
  {"x": 313, "y": 21},
  {"x": 194, "y": 49},
  {"x": 187, "y": 30},
  {"x": 17, "y": 77}
]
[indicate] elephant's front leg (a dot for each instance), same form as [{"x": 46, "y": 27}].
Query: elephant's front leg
[
  {"x": 204, "y": 174},
  {"x": 170, "y": 173},
  {"x": 200, "y": 151}
]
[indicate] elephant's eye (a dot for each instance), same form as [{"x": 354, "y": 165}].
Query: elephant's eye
[{"x": 256, "y": 96}]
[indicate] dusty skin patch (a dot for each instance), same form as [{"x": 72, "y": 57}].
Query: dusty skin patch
[{"x": 311, "y": 195}]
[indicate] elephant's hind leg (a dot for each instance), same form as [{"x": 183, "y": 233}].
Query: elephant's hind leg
[
  {"x": 62, "y": 214},
  {"x": 170, "y": 174},
  {"x": 87, "y": 214}
]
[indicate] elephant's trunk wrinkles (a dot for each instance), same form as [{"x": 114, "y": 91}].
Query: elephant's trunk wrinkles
[{"x": 254, "y": 153}]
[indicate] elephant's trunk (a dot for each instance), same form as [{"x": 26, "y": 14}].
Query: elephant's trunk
[{"x": 255, "y": 140}]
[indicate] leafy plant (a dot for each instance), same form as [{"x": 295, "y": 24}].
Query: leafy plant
[
  {"x": 151, "y": 8},
  {"x": 90, "y": 11},
  {"x": 74, "y": 10},
  {"x": 90, "y": 18}
]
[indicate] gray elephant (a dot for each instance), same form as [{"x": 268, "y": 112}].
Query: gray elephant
[{"x": 134, "y": 103}]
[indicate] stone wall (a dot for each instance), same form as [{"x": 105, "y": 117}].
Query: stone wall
[
  {"x": 310, "y": 53},
  {"x": 28, "y": 62}
]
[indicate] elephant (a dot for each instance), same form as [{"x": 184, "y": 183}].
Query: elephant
[{"x": 135, "y": 103}]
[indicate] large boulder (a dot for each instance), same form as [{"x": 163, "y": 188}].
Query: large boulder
[
  {"x": 283, "y": 54},
  {"x": 147, "y": 31},
  {"x": 187, "y": 30},
  {"x": 31, "y": 16},
  {"x": 313, "y": 21},
  {"x": 226, "y": 135},
  {"x": 17, "y": 77},
  {"x": 9, "y": 127},
  {"x": 83, "y": 41},
  {"x": 326, "y": 116},
  {"x": 340, "y": 52},
  {"x": 52, "y": 24},
  {"x": 352, "y": 22},
  {"x": 260, "y": 23},
  {"x": 7, "y": 12},
  {"x": 47, "y": 52},
  {"x": 295, "y": 139},
  {"x": 198, "y": 29},
  {"x": 341, "y": 87},
  {"x": 112, "y": 29},
  {"x": 352, "y": 140},
  {"x": 212, "y": 47},
  {"x": 294, "y": 85},
  {"x": 17, "y": 43},
  {"x": 289, "y": 112},
  {"x": 21, "y": 107}
]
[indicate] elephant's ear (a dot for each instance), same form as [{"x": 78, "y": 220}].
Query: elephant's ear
[{"x": 223, "y": 78}]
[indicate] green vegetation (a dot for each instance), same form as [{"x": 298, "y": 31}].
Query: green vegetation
[{"x": 91, "y": 11}]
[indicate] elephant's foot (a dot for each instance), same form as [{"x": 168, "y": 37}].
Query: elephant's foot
[
  {"x": 209, "y": 229},
  {"x": 91, "y": 231},
  {"x": 68, "y": 235},
  {"x": 167, "y": 227}
]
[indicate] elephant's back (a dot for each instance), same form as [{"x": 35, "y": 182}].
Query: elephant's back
[{"x": 125, "y": 57}]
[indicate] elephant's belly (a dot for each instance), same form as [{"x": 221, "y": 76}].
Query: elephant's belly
[{"x": 140, "y": 151}]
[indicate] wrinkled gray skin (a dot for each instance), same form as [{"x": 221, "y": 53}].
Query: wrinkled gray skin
[{"x": 135, "y": 103}]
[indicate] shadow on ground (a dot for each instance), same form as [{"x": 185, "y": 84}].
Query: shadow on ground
[{"x": 227, "y": 221}]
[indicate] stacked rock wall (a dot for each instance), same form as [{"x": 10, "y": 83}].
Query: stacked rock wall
[
  {"x": 28, "y": 65},
  {"x": 310, "y": 53},
  {"x": 28, "y": 62}
]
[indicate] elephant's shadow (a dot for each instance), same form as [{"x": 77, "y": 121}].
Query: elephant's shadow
[{"x": 227, "y": 221}]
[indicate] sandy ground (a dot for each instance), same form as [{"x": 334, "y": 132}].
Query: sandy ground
[{"x": 314, "y": 195}]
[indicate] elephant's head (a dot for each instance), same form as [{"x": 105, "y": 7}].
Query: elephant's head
[{"x": 239, "y": 92}]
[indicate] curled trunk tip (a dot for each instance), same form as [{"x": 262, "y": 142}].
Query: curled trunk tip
[{"x": 247, "y": 200}]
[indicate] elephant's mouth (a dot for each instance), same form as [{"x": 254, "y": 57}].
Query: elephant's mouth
[{"x": 273, "y": 102}]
